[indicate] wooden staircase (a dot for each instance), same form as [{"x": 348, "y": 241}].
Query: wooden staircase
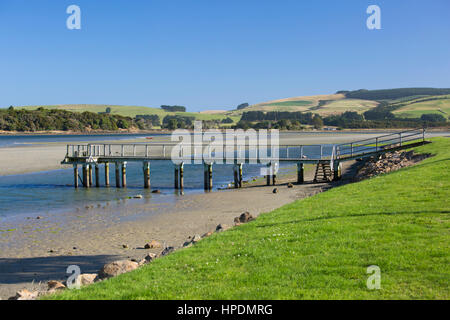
[{"x": 323, "y": 172}]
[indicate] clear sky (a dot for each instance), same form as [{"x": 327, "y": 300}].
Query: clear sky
[{"x": 210, "y": 54}]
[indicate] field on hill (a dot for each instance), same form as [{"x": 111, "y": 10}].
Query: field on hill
[
  {"x": 132, "y": 111},
  {"x": 417, "y": 107},
  {"x": 317, "y": 248}
]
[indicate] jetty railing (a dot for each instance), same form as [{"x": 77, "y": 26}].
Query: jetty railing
[
  {"x": 90, "y": 156},
  {"x": 370, "y": 146},
  {"x": 165, "y": 151}
]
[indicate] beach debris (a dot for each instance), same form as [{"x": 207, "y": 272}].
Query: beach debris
[
  {"x": 138, "y": 196},
  {"x": 54, "y": 285},
  {"x": 290, "y": 185},
  {"x": 125, "y": 246},
  {"x": 221, "y": 227},
  {"x": 51, "y": 251},
  {"x": 243, "y": 218},
  {"x": 275, "y": 190},
  {"x": 156, "y": 191},
  {"x": 117, "y": 267},
  {"x": 153, "y": 245},
  {"x": 167, "y": 250},
  {"x": 25, "y": 295},
  {"x": 87, "y": 278},
  {"x": 39, "y": 217}
]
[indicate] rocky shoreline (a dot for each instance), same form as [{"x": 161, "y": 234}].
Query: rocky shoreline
[{"x": 388, "y": 162}]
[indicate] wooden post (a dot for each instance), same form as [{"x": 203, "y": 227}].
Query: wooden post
[
  {"x": 86, "y": 175},
  {"x": 146, "y": 175},
  {"x": 236, "y": 179},
  {"x": 210, "y": 177},
  {"x": 75, "y": 175},
  {"x": 274, "y": 175},
  {"x": 90, "y": 175},
  {"x": 176, "y": 176},
  {"x": 205, "y": 176},
  {"x": 337, "y": 171},
  {"x": 300, "y": 173},
  {"x": 124, "y": 174},
  {"x": 240, "y": 175},
  {"x": 107, "y": 174},
  {"x": 181, "y": 173},
  {"x": 117, "y": 175},
  {"x": 97, "y": 176}
]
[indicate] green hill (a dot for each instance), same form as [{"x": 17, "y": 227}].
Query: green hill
[{"x": 128, "y": 111}]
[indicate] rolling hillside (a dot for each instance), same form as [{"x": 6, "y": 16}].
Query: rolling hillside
[
  {"x": 404, "y": 102},
  {"x": 132, "y": 111}
]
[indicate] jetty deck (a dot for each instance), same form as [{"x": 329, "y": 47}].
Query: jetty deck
[{"x": 327, "y": 158}]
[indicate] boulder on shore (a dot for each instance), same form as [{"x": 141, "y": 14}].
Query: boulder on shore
[
  {"x": 54, "y": 285},
  {"x": 221, "y": 227},
  {"x": 25, "y": 295},
  {"x": 117, "y": 267},
  {"x": 87, "y": 278},
  {"x": 153, "y": 245},
  {"x": 245, "y": 217},
  {"x": 167, "y": 250}
]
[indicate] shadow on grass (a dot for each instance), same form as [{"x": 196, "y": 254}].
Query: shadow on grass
[{"x": 19, "y": 270}]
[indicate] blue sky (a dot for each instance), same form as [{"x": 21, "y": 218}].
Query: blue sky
[{"x": 209, "y": 54}]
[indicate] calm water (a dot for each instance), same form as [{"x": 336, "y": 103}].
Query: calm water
[
  {"x": 21, "y": 140},
  {"x": 52, "y": 191}
]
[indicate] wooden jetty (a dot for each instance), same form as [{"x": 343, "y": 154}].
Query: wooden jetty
[{"x": 328, "y": 164}]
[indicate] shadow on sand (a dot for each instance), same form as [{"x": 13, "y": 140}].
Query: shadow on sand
[{"x": 43, "y": 269}]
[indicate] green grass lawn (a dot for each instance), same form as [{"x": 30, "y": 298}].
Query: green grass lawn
[{"x": 317, "y": 248}]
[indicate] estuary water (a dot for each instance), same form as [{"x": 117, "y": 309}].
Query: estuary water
[{"x": 38, "y": 193}]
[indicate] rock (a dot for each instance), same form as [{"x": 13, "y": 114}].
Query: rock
[
  {"x": 125, "y": 246},
  {"x": 167, "y": 250},
  {"x": 237, "y": 222},
  {"x": 25, "y": 295},
  {"x": 290, "y": 185},
  {"x": 221, "y": 227},
  {"x": 193, "y": 240},
  {"x": 275, "y": 190},
  {"x": 38, "y": 217},
  {"x": 150, "y": 257},
  {"x": 117, "y": 267},
  {"x": 153, "y": 245},
  {"x": 207, "y": 234},
  {"x": 138, "y": 196},
  {"x": 245, "y": 217},
  {"x": 87, "y": 278},
  {"x": 156, "y": 191},
  {"x": 187, "y": 244},
  {"x": 54, "y": 285},
  {"x": 142, "y": 262}
]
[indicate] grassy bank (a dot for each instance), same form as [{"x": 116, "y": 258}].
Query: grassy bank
[{"x": 319, "y": 247}]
